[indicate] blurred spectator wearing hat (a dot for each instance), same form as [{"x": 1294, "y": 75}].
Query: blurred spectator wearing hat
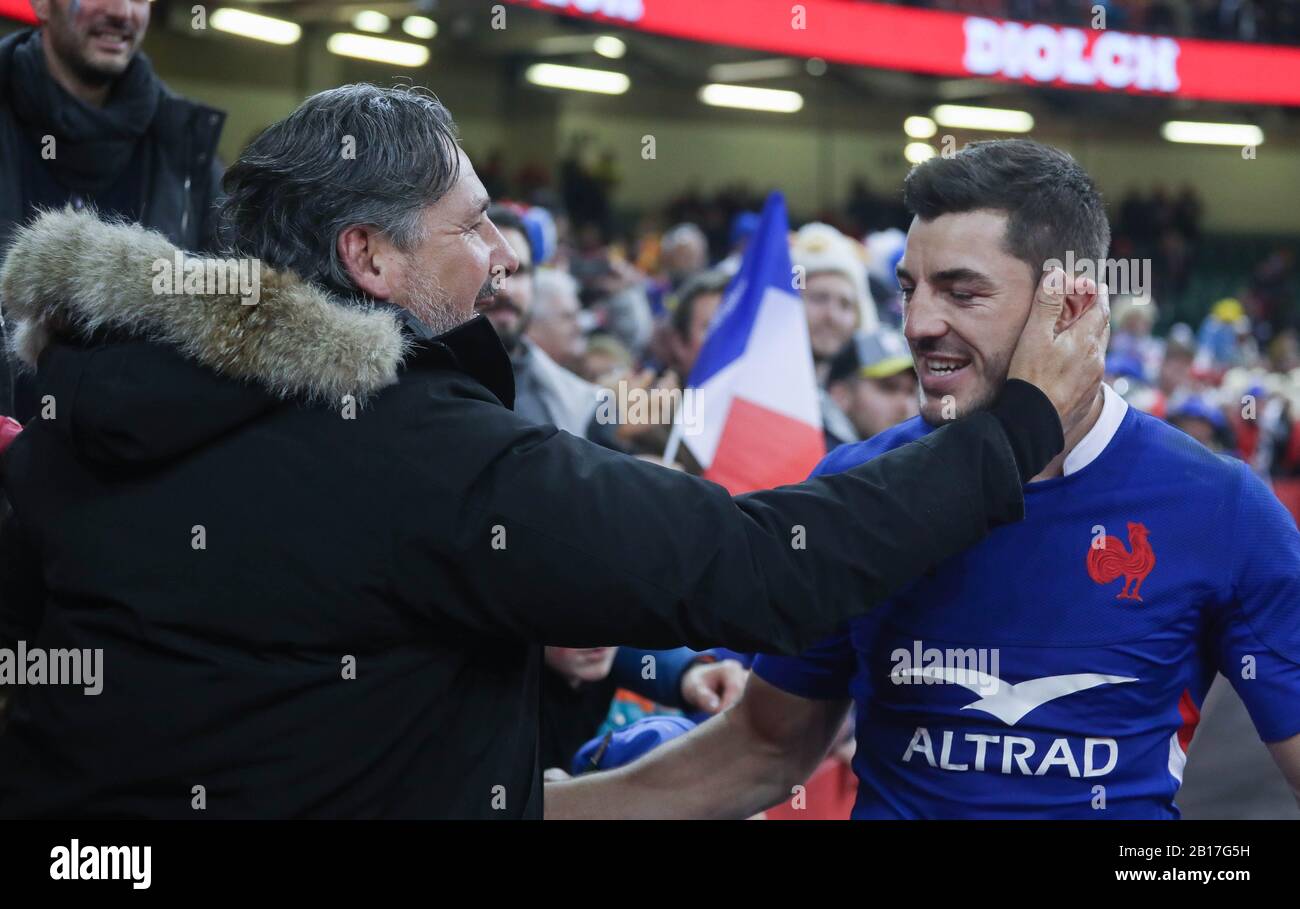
[
  {"x": 1199, "y": 417},
  {"x": 832, "y": 277},
  {"x": 884, "y": 250},
  {"x": 1127, "y": 376},
  {"x": 1132, "y": 318},
  {"x": 872, "y": 382},
  {"x": 1224, "y": 338}
]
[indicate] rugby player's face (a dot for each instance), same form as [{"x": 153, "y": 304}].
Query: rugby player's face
[{"x": 965, "y": 302}]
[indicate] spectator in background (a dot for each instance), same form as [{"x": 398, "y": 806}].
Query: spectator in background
[
  {"x": 834, "y": 291},
  {"x": 884, "y": 250},
  {"x": 837, "y": 303},
  {"x": 1132, "y": 319},
  {"x": 1284, "y": 352},
  {"x": 604, "y": 357},
  {"x": 683, "y": 252},
  {"x": 84, "y": 121},
  {"x": 1176, "y": 367},
  {"x": 578, "y": 686},
  {"x": 1198, "y": 416},
  {"x": 576, "y": 691},
  {"x": 511, "y": 306},
  {"x": 872, "y": 382},
  {"x": 696, "y": 303},
  {"x": 1224, "y": 337},
  {"x": 616, "y": 294},
  {"x": 545, "y": 392},
  {"x": 555, "y": 327}
]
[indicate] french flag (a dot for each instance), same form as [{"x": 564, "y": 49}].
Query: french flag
[{"x": 759, "y": 415}]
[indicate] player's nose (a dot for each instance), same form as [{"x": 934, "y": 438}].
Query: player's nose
[{"x": 922, "y": 317}]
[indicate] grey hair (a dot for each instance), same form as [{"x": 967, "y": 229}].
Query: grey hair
[
  {"x": 550, "y": 283},
  {"x": 683, "y": 233},
  {"x": 295, "y": 188}
]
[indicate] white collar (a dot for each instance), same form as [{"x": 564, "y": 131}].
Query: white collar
[{"x": 1113, "y": 410}]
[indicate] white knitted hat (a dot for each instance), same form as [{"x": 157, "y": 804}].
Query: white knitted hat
[{"x": 820, "y": 248}]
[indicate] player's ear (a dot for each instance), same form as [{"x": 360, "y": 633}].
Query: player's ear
[{"x": 1081, "y": 294}]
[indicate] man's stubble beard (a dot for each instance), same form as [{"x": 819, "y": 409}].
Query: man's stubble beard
[
  {"x": 510, "y": 339},
  {"x": 64, "y": 43},
  {"x": 429, "y": 302},
  {"x": 982, "y": 398}
]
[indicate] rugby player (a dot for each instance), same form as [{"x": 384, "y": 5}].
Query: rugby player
[{"x": 1056, "y": 669}]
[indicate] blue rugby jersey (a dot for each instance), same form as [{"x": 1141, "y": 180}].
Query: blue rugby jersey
[{"x": 1057, "y": 668}]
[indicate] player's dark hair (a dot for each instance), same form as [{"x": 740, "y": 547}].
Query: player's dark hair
[{"x": 1051, "y": 203}]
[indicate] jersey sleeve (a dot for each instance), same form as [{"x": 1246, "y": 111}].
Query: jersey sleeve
[
  {"x": 822, "y": 672},
  {"x": 1258, "y": 645}
]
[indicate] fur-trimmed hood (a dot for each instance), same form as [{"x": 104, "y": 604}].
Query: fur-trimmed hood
[{"x": 71, "y": 272}]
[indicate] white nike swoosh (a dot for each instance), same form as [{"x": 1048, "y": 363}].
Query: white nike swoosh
[{"x": 1010, "y": 703}]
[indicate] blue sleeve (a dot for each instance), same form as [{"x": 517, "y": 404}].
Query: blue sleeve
[
  {"x": 1258, "y": 643},
  {"x": 822, "y": 672},
  {"x": 666, "y": 686}
]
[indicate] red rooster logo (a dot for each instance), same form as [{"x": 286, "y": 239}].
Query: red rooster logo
[{"x": 1112, "y": 559}]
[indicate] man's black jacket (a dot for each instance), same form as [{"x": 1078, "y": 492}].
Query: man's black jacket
[{"x": 316, "y": 609}]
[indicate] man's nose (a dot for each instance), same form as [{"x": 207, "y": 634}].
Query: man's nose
[
  {"x": 503, "y": 255},
  {"x": 922, "y": 317},
  {"x": 116, "y": 10}
]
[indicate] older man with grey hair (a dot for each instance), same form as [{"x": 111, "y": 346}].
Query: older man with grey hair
[
  {"x": 556, "y": 326},
  {"x": 319, "y": 552}
]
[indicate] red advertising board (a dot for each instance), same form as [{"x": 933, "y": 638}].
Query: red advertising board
[
  {"x": 952, "y": 44},
  {"x": 17, "y": 9}
]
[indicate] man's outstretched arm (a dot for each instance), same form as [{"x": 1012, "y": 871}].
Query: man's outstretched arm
[
  {"x": 739, "y": 763},
  {"x": 686, "y": 564}
]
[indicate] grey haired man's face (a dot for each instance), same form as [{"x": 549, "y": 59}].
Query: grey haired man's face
[{"x": 461, "y": 258}]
